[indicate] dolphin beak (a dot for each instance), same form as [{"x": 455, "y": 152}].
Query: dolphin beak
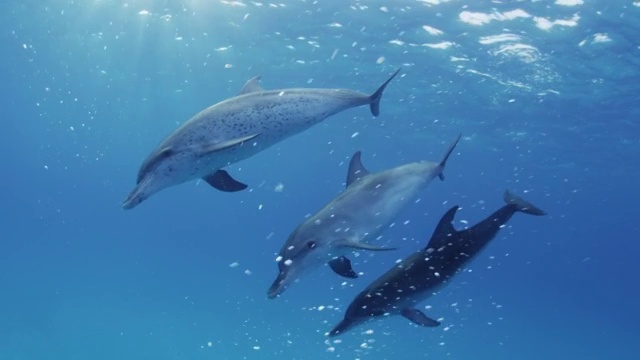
[
  {"x": 342, "y": 326},
  {"x": 130, "y": 203},
  {"x": 144, "y": 188},
  {"x": 135, "y": 198},
  {"x": 278, "y": 286}
]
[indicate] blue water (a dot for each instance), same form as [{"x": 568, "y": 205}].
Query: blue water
[{"x": 549, "y": 110}]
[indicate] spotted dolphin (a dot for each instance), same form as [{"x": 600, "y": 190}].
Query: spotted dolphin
[
  {"x": 415, "y": 278},
  {"x": 236, "y": 129},
  {"x": 357, "y": 215}
]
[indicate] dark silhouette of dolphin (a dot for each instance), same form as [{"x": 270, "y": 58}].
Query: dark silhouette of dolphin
[{"x": 402, "y": 287}]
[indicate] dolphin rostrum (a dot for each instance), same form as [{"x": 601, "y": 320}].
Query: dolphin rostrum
[
  {"x": 360, "y": 213},
  {"x": 415, "y": 278},
  {"x": 236, "y": 129}
]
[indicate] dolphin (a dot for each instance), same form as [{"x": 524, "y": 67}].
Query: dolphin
[
  {"x": 238, "y": 128},
  {"x": 415, "y": 278},
  {"x": 357, "y": 215}
]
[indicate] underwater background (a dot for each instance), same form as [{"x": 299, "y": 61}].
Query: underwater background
[{"x": 545, "y": 93}]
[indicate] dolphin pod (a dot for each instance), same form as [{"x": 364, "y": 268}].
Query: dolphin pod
[
  {"x": 401, "y": 288},
  {"x": 236, "y": 129},
  {"x": 242, "y": 126}
]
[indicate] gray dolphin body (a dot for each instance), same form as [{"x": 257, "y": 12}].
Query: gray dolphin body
[
  {"x": 238, "y": 128},
  {"x": 360, "y": 213},
  {"x": 415, "y": 278}
]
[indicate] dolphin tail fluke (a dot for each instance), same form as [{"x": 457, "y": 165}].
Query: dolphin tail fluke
[
  {"x": 376, "y": 96},
  {"x": 446, "y": 157},
  {"x": 522, "y": 205}
]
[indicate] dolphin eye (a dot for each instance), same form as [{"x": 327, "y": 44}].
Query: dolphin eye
[{"x": 311, "y": 244}]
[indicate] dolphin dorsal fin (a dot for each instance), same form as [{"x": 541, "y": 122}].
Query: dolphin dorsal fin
[
  {"x": 252, "y": 85},
  {"x": 356, "y": 170},
  {"x": 444, "y": 230}
]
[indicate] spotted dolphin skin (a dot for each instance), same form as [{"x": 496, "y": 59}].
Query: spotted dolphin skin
[
  {"x": 411, "y": 281},
  {"x": 359, "y": 214},
  {"x": 236, "y": 129}
]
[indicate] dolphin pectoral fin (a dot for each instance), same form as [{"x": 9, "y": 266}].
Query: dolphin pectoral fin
[
  {"x": 441, "y": 176},
  {"x": 226, "y": 144},
  {"x": 222, "y": 181},
  {"x": 252, "y": 85},
  {"x": 418, "y": 317},
  {"x": 376, "y": 96},
  {"x": 342, "y": 267},
  {"x": 364, "y": 246},
  {"x": 356, "y": 170}
]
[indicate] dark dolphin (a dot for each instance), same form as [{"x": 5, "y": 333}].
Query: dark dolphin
[{"x": 400, "y": 289}]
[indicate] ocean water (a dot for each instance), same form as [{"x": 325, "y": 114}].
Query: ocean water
[{"x": 545, "y": 93}]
